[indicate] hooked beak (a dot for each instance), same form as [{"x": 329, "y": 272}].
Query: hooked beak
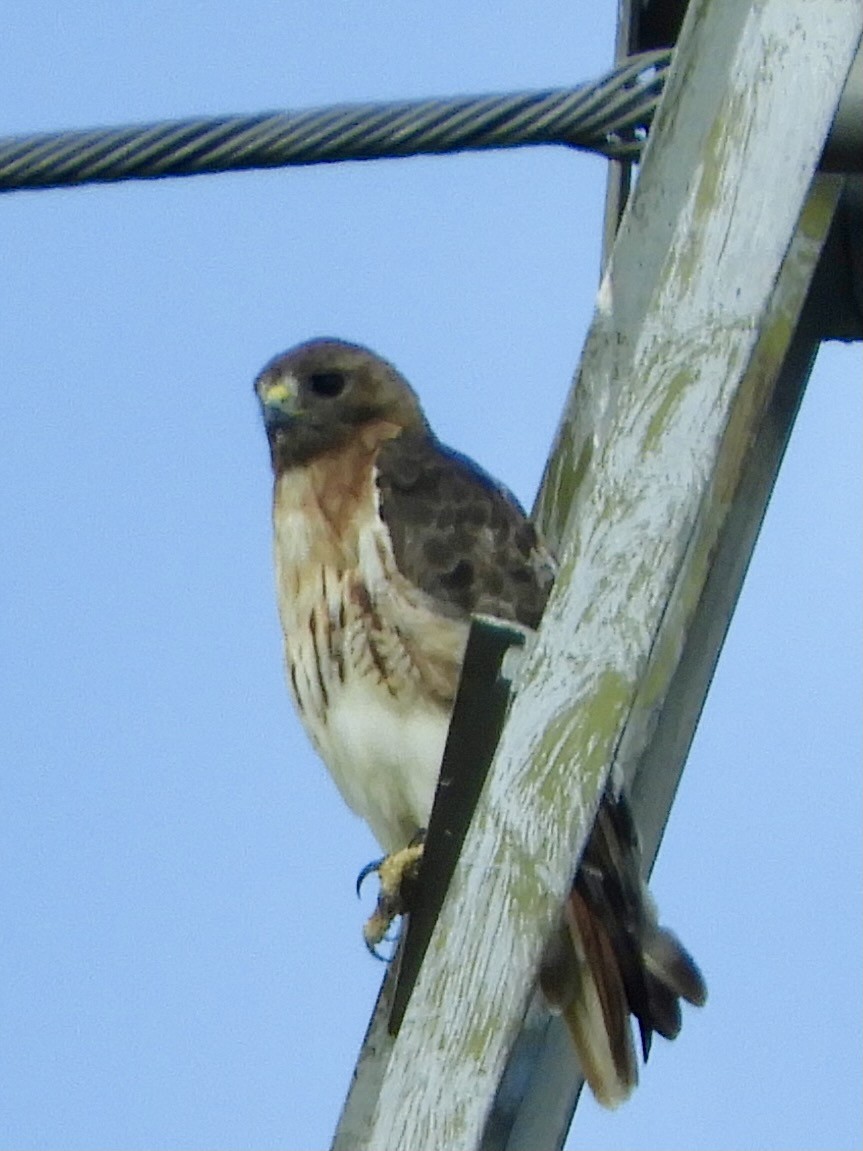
[{"x": 279, "y": 401}]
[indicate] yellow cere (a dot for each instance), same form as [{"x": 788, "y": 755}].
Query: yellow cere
[{"x": 280, "y": 392}]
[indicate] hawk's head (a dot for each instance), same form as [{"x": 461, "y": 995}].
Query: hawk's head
[{"x": 324, "y": 394}]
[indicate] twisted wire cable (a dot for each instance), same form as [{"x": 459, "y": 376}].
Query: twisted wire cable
[{"x": 610, "y": 116}]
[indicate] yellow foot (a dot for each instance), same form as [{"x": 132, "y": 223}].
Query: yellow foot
[{"x": 397, "y": 874}]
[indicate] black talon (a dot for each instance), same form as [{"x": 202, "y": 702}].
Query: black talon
[
  {"x": 368, "y": 870},
  {"x": 372, "y": 949}
]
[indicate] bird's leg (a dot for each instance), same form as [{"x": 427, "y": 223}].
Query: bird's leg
[{"x": 397, "y": 874}]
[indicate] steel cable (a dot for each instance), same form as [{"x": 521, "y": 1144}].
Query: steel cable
[{"x": 610, "y": 116}]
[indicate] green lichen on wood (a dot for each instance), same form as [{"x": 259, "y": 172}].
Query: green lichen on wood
[
  {"x": 721, "y": 141},
  {"x": 558, "y": 490},
  {"x": 479, "y": 1039},
  {"x": 672, "y": 392},
  {"x": 753, "y": 397},
  {"x": 576, "y": 744},
  {"x": 574, "y": 752},
  {"x": 561, "y": 483}
]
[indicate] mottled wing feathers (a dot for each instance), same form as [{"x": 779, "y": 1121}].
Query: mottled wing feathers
[
  {"x": 464, "y": 540},
  {"x": 458, "y": 535}
]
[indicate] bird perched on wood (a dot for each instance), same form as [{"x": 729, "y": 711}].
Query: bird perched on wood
[{"x": 385, "y": 542}]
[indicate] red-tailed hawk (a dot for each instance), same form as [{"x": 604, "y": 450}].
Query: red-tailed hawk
[{"x": 385, "y": 542}]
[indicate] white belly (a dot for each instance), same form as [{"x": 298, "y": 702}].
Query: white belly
[
  {"x": 373, "y": 667},
  {"x": 384, "y": 758}
]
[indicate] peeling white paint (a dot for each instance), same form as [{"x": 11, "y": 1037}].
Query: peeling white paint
[{"x": 661, "y": 379}]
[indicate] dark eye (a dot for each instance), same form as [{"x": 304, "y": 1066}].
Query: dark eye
[{"x": 327, "y": 384}]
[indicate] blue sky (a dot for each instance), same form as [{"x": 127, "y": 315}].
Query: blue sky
[{"x": 181, "y": 963}]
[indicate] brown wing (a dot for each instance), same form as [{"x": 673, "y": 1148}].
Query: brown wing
[
  {"x": 464, "y": 540},
  {"x": 458, "y": 535}
]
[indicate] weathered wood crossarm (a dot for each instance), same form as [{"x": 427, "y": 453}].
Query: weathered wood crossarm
[{"x": 660, "y": 474}]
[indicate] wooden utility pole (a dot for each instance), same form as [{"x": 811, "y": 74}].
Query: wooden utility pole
[{"x": 669, "y": 446}]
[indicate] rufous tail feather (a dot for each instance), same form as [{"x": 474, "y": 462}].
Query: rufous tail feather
[{"x": 611, "y": 959}]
